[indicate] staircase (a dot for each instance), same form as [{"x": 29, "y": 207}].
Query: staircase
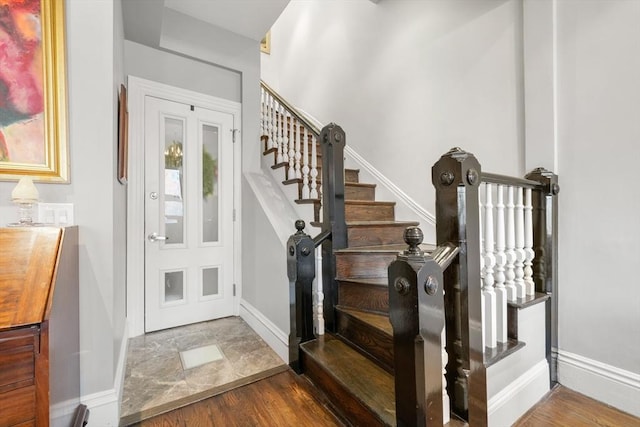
[
  {"x": 490, "y": 291},
  {"x": 354, "y": 366}
]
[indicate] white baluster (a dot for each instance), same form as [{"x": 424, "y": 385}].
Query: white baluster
[
  {"x": 519, "y": 216},
  {"x": 488, "y": 270},
  {"x": 528, "y": 243},
  {"x": 292, "y": 147},
  {"x": 284, "y": 136},
  {"x": 296, "y": 143},
  {"x": 318, "y": 296},
  {"x": 278, "y": 133},
  {"x": 268, "y": 118},
  {"x": 305, "y": 165},
  {"x": 510, "y": 248},
  {"x": 262, "y": 118},
  {"x": 483, "y": 310},
  {"x": 313, "y": 193},
  {"x": 272, "y": 127},
  {"x": 501, "y": 260},
  {"x": 446, "y": 406}
]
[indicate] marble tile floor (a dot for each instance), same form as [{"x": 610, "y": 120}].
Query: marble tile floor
[{"x": 156, "y": 382}]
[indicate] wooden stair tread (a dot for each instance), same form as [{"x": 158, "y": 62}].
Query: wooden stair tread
[
  {"x": 365, "y": 380},
  {"x": 373, "y": 281},
  {"x": 384, "y": 249},
  {"x": 347, "y": 183},
  {"x": 372, "y": 223},
  {"x": 376, "y": 320},
  {"x": 369, "y": 202},
  {"x": 382, "y": 223},
  {"x": 352, "y": 202},
  {"x": 307, "y": 201}
]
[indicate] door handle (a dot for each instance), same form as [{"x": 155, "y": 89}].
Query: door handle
[{"x": 153, "y": 237}]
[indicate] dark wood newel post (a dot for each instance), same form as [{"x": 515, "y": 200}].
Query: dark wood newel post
[
  {"x": 456, "y": 177},
  {"x": 545, "y": 246},
  {"x": 301, "y": 270},
  {"x": 416, "y": 312},
  {"x": 332, "y": 141}
]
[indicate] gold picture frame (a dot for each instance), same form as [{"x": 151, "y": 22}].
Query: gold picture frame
[
  {"x": 33, "y": 134},
  {"x": 265, "y": 43},
  {"x": 123, "y": 136}
]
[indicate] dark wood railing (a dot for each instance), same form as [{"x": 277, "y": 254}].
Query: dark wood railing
[
  {"x": 416, "y": 312},
  {"x": 429, "y": 293},
  {"x": 300, "y": 248},
  {"x": 457, "y": 177}
]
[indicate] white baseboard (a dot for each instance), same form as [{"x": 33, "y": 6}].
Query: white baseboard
[
  {"x": 518, "y": 397},
  {"x": 104, "y": 406},
  {"x": 613, "y": 386},
  {"x": 268, "y": 331},
  {"x": 62, "y": 413}
]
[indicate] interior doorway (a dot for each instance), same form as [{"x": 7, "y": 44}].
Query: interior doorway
[{"x": 209, "y": 266}]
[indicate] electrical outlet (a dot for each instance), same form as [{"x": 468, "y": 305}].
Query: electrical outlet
[{"x": 59, "y": 214}]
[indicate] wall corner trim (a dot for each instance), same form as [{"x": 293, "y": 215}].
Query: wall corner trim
[
  {"x": 104, "y": 406},
  {"x": 268, "y": 331}
]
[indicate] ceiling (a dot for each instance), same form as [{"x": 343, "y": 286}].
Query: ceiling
[{"x": 143, "y": 19}]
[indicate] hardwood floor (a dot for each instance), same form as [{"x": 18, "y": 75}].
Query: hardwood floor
[
  {"x": 281, "y": 400},
  {"x": 289, "y": 400},
  {"x": 565, "y": 407}
]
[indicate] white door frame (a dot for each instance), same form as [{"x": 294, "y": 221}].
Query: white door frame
[{"x": 138, "y": 89}]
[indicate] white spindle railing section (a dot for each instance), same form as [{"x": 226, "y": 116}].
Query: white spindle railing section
[
  {"x": 506, "y": 239},
  {"x": 519, "y": 220},
  {"x": 446, "y": 404},
  {"x": 284, "y": 139},
  {"x": 488, "y": 262},
  {"x": 501, "y": 261},
  {"x": 306, "y": 193},
  {"x": 510, "y": 247},
  {"x": 263, "y": 119},
  {"x": 318, "y": 295},
  {"x": 297, "y": 155},
  {"x": 529, "y": 253},
  {"x": 294, "y": 139},
  {"x": 314, "y": 170}
]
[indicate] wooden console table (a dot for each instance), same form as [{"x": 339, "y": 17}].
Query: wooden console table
[{"x": 39, "y": 326}]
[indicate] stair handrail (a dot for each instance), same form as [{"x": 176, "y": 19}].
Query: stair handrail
[
  {"x": 300, "y": 247},
  {"x": 519, "y": 258},
  {"x": 292, "y": 110},
  {"x": 292, "y": 136}
]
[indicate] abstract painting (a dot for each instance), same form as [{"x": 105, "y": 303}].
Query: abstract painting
[{"x": 33, "y": 126}]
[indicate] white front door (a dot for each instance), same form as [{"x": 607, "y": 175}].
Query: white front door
[{"x": 188, "y": 214}]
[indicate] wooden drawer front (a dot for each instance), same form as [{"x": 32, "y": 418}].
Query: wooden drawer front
[
  {"x": 16, "y": 362},
  {"x": 18, "y": 406}
]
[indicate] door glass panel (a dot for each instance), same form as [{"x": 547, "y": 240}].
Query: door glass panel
[
  {"x": 209, "y": 281},
  {"x": 173, "y": 286},
  {"x": 210, "y": 185},
  {"x": 173, "y": 180}
]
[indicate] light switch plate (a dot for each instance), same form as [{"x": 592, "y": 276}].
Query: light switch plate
[{"x": 58, "y": 214}]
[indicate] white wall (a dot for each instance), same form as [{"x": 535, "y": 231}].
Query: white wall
[
  {"x": 186, "y": 73},
  {"x": 196, "y": 39},
  {"x": 266, "y": 286},
  {"x": 599, "y": 146},
  {"x": 428, "y": 75},
  {"x": 92, "y": 42},
  {"x": 119, "y": 208},
  {"x": 94, "y": 65}
]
